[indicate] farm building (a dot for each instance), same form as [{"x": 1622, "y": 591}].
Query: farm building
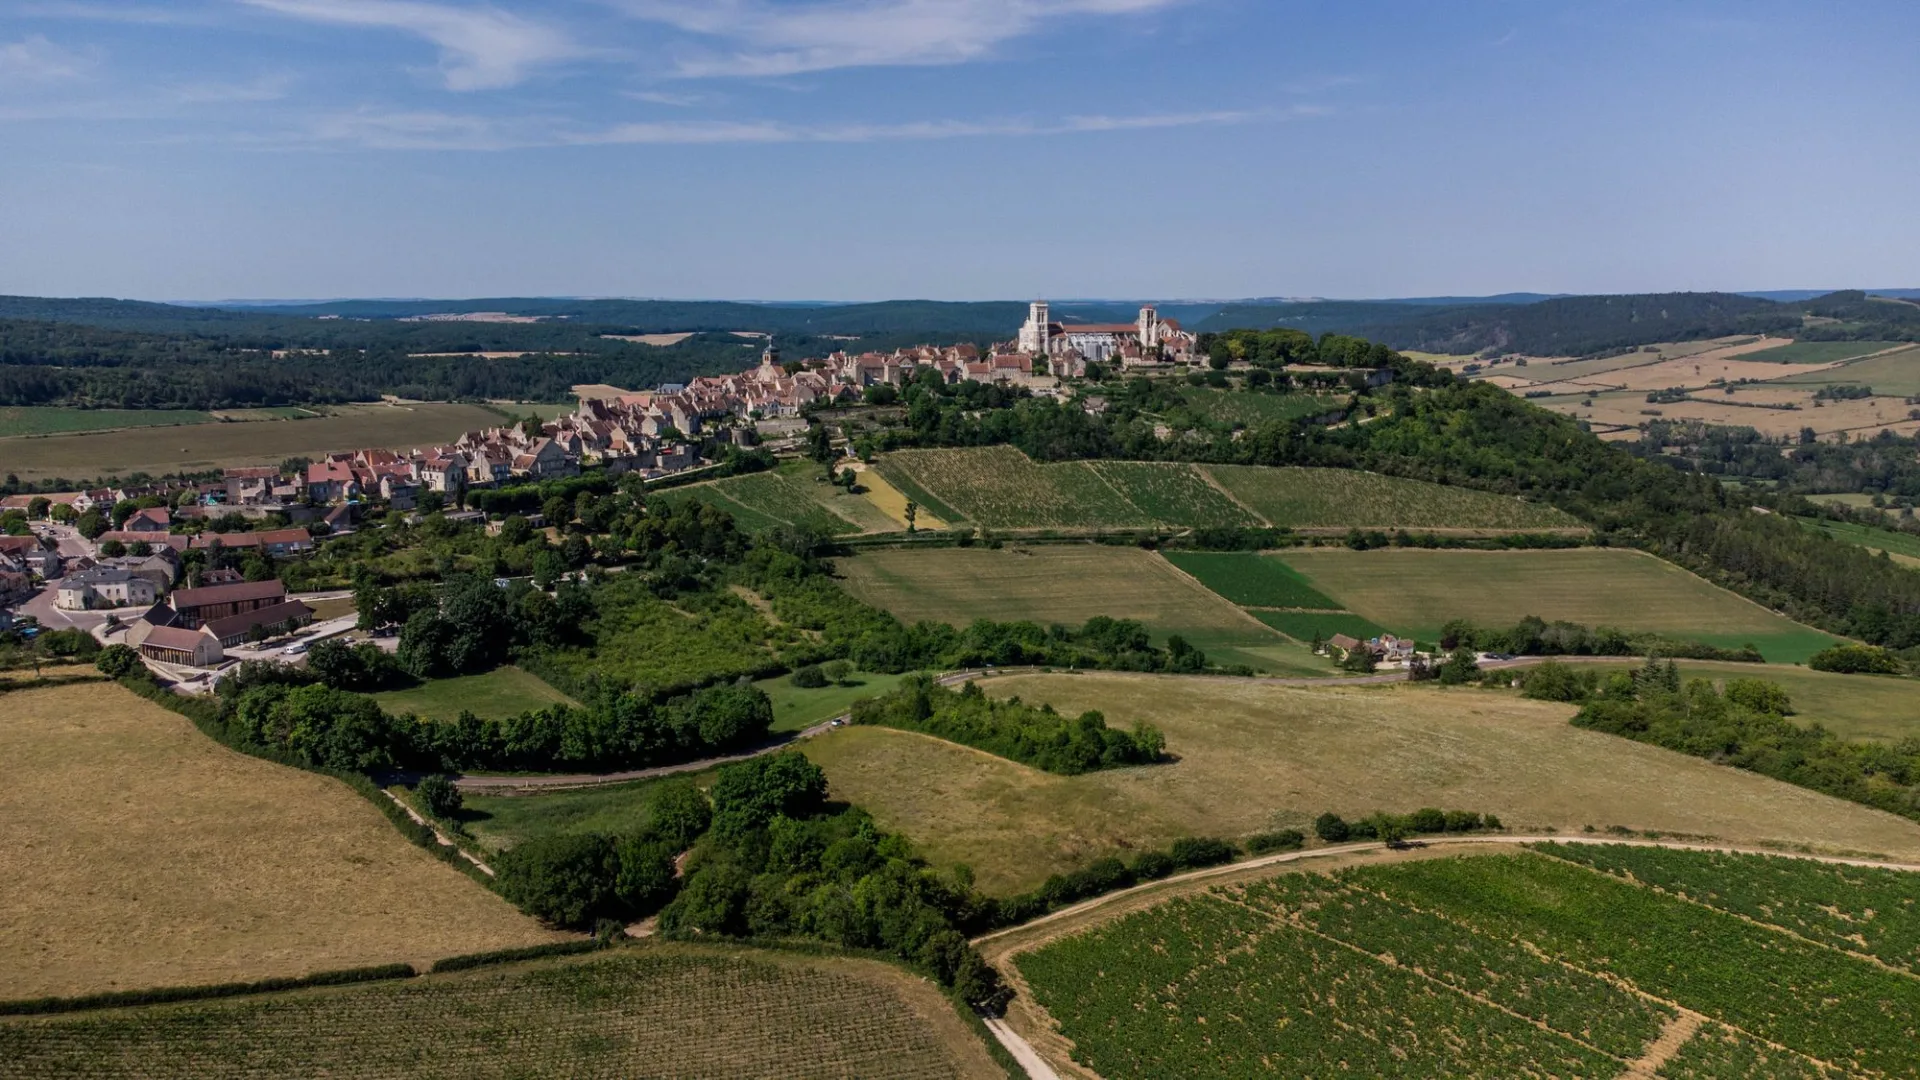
[{"x": 174, "y": 645}]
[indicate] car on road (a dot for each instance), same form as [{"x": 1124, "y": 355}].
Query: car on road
[{"x": 294, "y": 649}]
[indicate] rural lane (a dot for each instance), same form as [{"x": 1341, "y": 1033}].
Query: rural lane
[{"x": 527, "y": 785}]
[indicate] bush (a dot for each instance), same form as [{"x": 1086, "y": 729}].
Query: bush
[
  {"x": 810, "y": 677},
  {"x": 1428, "y": 820},
  {"x": 1332, "y": 828},
  {"x": 1190, "y": 852},
  {"x": 115, "y": 661},
  {"x": 1152, "y": 865},
  {"x": 564, "y": 880},
  {"x": 1267, "y": 842},
  {"x": 508, "y": 956},
  {"x": 439, "y": 795},
  {"x": 1462, "y": 821},
  {"x": 1856, "y": 660}
]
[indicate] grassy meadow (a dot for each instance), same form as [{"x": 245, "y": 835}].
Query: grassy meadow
[
  {"x": 1414, "y": 592},
  {"x": 1820, "y": 352},
  {"x": 58, "y": 420},
  {"x": 796, "y": 708},
  {"x": 1255, "y": 756},
  {"x": 499, "y": 822},
  {"x": 656, "y": 1010},
  {"x": 1900, "y": 545},
  {"x": 1244, "y": 409},
  {"x": 497, "y": 694},
  {"x": 1896, "y": 374},
  {"x": 1068, "y": 585},
  {"x": 221, "y": 445},
  {"x": 140, "y": 853}
]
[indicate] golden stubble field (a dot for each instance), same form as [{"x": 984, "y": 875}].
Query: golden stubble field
[
  {"x": 140, "y": 853},
  {"x": 197, "y": 447},
  {"x": 1255, "y": 756}
]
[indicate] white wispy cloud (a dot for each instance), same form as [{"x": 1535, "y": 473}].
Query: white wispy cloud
[
  {"x": 770, "y": 38},
  {"x": 34, "y": 59},
  {"x": 431, "y": 130},
  {"x": 481, "y": 48}
]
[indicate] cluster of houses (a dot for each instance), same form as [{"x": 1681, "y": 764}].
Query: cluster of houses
[{"x": 1386, "y": 650}]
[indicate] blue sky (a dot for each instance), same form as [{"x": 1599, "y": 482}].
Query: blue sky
[{"x": 954, "y": 149}]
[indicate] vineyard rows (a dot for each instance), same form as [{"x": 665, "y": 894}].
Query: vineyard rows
[
  {"x": 1548, "y": 963},
  {"x": 1203, "y": 987},
  {"x": 611, "y": 1016},
  {"x": 1859, "y": 909}
]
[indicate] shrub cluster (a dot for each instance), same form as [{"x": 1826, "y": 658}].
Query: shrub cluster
[
  {"x": 1533, "y": 636},
  {"x": 575, "y": 879},
  {"x": 1746, "y": 726},
  {"x": 1857, "y": 660},
  {"x": 156, "y": 995},
  {"x": 1334, "y": 829},
  {"x": 1012, "y": 729},
  {"x": 508, "y": 956}
]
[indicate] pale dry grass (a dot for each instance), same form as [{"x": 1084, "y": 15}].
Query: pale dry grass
[
  {"x": 1862, "y": 416},
  {"x": 1254, "y": 756},
  {"x": 140, "y": 853}
]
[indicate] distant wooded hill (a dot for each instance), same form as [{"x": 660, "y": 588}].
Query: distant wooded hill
[{"x": 132, "y": 354}]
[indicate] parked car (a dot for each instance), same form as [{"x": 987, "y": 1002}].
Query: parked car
[{"x": 294, "y": 649}]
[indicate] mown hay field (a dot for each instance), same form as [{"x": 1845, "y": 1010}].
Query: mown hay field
[
  {"x": 55, "y": 419},
  {"x": 1898, "y": 545},
  {"x": 1414, "y": 592},
  {"x": 497, "y": 694},
  {"x": 656, "y": 1010},
  {"x": 1254, "y": 756},
  {"x": 1341, "y": 498},
  {"x": 213, "y": 446},
  {"x": 1067, "y": 585},
  {"x": 140, "y": 853},
  {"x": 1499, "y": 963}
]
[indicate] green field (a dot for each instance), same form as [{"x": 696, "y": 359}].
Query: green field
[
  {"x": 1309, "y": 626},
  {"x": 500, "y": 693},
  {"x": 1866, "y": 536},
  {"x": 1243, "y": 409},
  {"x": 1877, "y": 707},
  {"x": 656, "y": 1010},
  {"x": 1068, "y": 585},
  {"x": 1251, "y": 580},
  {"x": 499, "y": 822},
  {"x": 795, "y": 709},
  {"x": 795, "y": 492},
  {"x": 1819, "y": 352},
  {"x": 1414, "y": 592},
  {"x": 1255, "y": 756},
  {"x": 1505, "y": 964},
  {"x": 55, "y": 420},
  {"x": 1896, "y": 374},
  {"x": 210, "y": 446},
  {"x": 1341, "y": 498},
  {"x": 1173, "y": 493}
]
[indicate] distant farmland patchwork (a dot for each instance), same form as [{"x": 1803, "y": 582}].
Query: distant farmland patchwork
[
  {"x": 199, "y": 447},
  {"x": 1543, "y": 962},
  {"x": 1000, "y": 488}
]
